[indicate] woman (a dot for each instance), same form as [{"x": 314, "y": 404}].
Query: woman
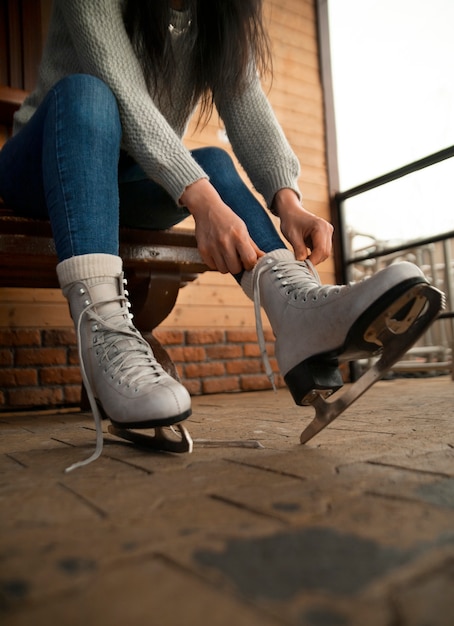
[{"x": 99, "y": 142}]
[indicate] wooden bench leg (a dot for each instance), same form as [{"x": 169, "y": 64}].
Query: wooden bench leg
[{"x": 153, "y": 297}]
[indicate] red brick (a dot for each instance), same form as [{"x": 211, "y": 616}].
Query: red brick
[
  {"x": 241, "y": 336},
  {"x": 60, "y": 375},
  {"x": 245, "y": 366},
  {"x": 199, "y": 337},
  {"x": 169, "y": 337},
  {"x": 59, "y": 337},
  {"x": 194, "y": 386},
  {"x": 248, "y": 335},
  {"x": 72, "y": 394},
  {"x": 251, "y": 350},
  {"x": 18, "y": 377},
  {"x": 201, "y": 370},
  {"x": 176, "y": 353},
  {"x": 41, "y": 356},
  {"x": 179, "y": 369},
  {"x": 35, "y": 396},
  {"x": 20, "y": 337},
  {"x": 224, "y": 352},
  {"x": 193, "y": 353},
  {"x": 73, "y": 356},
  {"x": 6, "y": 357},
  {"x": 220, "y": 385}
]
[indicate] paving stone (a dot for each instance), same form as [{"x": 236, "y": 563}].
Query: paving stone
[
  {"x": 439, "y": 462},
  {"x": 354, "y": 528},
  {"x": 142, "y": 593},
  {"x": 427, "y": 598},
  {"x": 402, "y": 483}
]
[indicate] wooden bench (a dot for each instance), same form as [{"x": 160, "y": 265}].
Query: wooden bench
[{"x": 157, "y": 263}]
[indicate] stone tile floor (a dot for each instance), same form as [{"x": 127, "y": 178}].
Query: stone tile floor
[{"x": 354, "y": 528}]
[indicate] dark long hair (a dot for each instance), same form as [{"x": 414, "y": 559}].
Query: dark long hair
[{"x": 225, "y": 36}]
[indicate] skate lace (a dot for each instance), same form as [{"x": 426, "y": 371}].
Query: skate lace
[
  {"x": 124, "y": 355},
  {"x": 301, "y": 281}
]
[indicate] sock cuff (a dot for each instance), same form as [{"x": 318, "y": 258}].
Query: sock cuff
[
  {"x": 86, "y": 266},
  {"x": 247, "y": 281}
]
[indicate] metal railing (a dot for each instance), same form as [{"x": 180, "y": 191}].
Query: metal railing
[{"x": 434, "y": 254}]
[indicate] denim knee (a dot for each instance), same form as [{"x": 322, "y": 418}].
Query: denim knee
[
  {"x": 81, "y": 147},
  {"x": 90, "y": 102}
]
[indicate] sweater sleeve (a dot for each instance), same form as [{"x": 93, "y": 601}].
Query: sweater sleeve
[
  {"x": 259, "y": 142},
  {"x": 102, "y": 44}
]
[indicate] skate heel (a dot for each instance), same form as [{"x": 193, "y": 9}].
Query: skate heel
[{"x": 313, "y": 378}]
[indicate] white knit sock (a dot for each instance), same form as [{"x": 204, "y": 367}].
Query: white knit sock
[{"x": 88, "y": 268}]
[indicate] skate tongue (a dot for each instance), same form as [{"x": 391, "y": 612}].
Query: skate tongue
[
  {"x": 109, "y": 299},
  {"x": 113, "y": 310}
]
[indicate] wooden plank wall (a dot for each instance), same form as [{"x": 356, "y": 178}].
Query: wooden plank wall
[{"x": 213, "y": 300}]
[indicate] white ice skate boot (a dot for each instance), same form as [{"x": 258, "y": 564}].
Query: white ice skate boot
[
  {"x": 122, "y": 378},
  {"x": 316, "y": 326}
]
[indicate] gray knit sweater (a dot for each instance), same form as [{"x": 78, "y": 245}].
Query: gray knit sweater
[{"x": 89, "y": 36}]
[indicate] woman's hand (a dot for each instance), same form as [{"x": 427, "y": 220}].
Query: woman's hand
[
  {"x": 222, "y": 237},
  {"x": 309, "y": 235}
]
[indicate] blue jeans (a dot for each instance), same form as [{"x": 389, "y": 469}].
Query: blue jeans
[{"x": 66, "y": 165}]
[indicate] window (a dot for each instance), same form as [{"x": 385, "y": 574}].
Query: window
[{"x": 391, "y": 63}]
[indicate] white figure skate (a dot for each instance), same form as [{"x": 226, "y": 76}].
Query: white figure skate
[
  {"x": 394, "y": 332},
  {"x": 316, "y": 326},
  {"x": 123, "y": 380}
]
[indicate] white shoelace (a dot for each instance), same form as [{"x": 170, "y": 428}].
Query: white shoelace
[
  {"x": 134, "y": 362},
  {"x": 301, "y": 280}
]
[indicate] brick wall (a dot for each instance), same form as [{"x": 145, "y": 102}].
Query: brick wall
[
  {"x": 39, "y": 368},
  {"x": 38, "y": 357}
]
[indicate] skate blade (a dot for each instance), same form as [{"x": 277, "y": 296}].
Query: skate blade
[
  {"x": 180, "y": 442},
  {"x": 422, "y": 304}
]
